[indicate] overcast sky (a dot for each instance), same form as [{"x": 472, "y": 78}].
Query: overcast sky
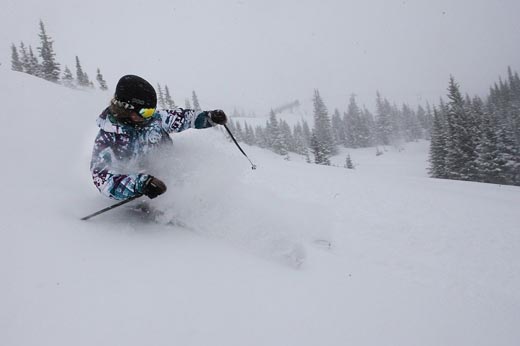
[{"x": 258, "y": 54}]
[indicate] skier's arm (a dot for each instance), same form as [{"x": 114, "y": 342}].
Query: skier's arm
[
  {"x": 179, "y": 119},
  {"x": 109, "y": 182}
]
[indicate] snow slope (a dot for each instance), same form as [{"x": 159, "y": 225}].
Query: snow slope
[{"x": 413, "y": 261}]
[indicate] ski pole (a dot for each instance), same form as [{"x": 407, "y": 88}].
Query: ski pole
[
  {"x": 253, "y": 166},
  {"x": 111, "y": 207}
]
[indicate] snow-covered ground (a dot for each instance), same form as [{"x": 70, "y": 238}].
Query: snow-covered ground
[{"x": 412, "y": 261}]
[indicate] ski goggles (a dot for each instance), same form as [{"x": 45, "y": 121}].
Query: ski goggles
[{"x": 146, "y": 112}]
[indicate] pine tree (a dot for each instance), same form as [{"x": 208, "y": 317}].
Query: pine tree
[
  {"x": 369, "y": 128},
  {"x": 274, "y": 134},
  {"x": 286, "y": 134},
  {"x": 168, "y": 98},
  {"x": 322, "y": 141},
  {"x": 25, "y": 59},
  {"x": 489, "y": 164},
  {"x": 29, "y": 61},
  {"x": 396, "y": 125},
  {"x": 16, "y": 63},
  {"x": 50, "y": 68},
  {"x": 438, "y": 145},
  {"x": 306, "y": 133},
  {"x": 300, "y": 143},
  {"x": 34, "y": 67},
  {"x": 81, "y": 77},
  {"x": 461, "y": 142},
  {"x": 383, "y": 120},
  {"x": 196, "y": 104},
  {"x": 67, "y": 78},
  {"x": 338, "y": 128},
  {"x": 320, "y": 157},
  {"x": 348, "y": 162},
  {"x": 509, "y": 152},
  {"x": 511, "y": 127},
  {"x": 187, "y": 103},
  {"x": 101, "y": 80},
  {"x": 355, "y": 131}
]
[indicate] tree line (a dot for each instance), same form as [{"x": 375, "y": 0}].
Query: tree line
[
  {"x": 478, "y": 140},
  {"x": 44, "y": 64},
  {"x": 471, "y": 138},
  {"x": 356, "y": 127}
]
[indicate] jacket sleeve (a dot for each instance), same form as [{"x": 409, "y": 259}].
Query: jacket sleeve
[
  {"x": 179, "y": 119},
  {"x": 108, "y": 181}
]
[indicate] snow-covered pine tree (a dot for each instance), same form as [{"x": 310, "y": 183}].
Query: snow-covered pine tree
[
  {"x": 507, "y": 144},
  {"x": 488, "y": 161},
  {"x": 320, "y": 157},
  {"x": 275, "y": 138},
  {"x": 168, "y": 98},
  {"x": 34, "y": 67},
  {"x": 322, "y": 140},
  {"x": 196, "y": 104},
  {"x": 16, "y": 63},
  {"x": 514, "y": 85},
  {"x": 461, "y": 142},
  {"x": 81, "y": 77},
  {"x": 287, "y": 135},
  {"x": 50, "y": 69},
  {"x": 271, "y": 128},
  {"x": 438, "y": 151},
  {"x": 24, "y": 58},
  {"x": 383, "y": 120},
  {"x": 338, "y": 128},
  {"x": 513, "y": 121},
  {"x": 369, "y": 128},
  {"x": 101, "y": 80},
  {"x": 67, "y": 79},
  {"x": 300, "y": 143},
  {"x": 187, "y": 103},
  {"x": 398, "y": 125},
  {"x": 353, "y": 125},
  {"x": 348, "y": 162},
  {"x": 29, "y": 61}
]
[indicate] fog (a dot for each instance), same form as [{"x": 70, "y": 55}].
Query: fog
[{"x": 256, "y": 55}]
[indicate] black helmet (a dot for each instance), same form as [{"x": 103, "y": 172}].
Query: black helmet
[{"x": 136, "y": 91}]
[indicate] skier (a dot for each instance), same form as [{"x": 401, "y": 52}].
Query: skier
[{"x": 130, "y": 130}]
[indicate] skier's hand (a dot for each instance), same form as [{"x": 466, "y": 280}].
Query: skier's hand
[
  {"x": 218, "y": 116},
  {"x": 154, "y": 187}
]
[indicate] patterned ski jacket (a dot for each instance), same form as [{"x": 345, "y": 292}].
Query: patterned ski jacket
[{"x": 118, "y": 149}]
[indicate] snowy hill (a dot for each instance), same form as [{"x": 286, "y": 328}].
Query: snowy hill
[{"x": 412, "y": 261}]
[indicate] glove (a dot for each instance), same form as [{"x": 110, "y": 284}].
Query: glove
[
  {"x": 218, "y": 116},
  {"x": 153, "y": 187}
]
